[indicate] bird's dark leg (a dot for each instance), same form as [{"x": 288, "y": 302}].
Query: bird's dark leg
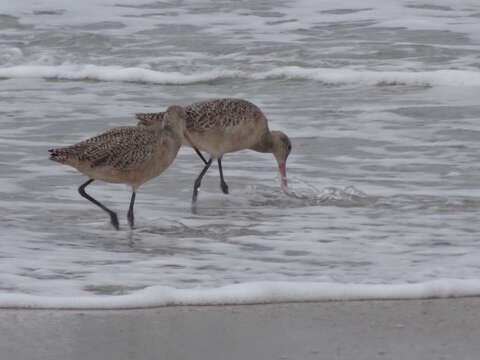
[
  {"x": 130, "y": 217},
  {"x": 198, "y": 181},
  {"x": 201, "y": 155},
  {"x": 113, "y": 216},
  {"x": 223, "y": 184}
]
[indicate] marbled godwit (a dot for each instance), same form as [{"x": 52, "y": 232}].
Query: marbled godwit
[
  {"x": 227, "y": 125},
  {"x": 126, "y": 155}
]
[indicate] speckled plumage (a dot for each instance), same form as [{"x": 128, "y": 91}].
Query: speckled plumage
[
  {"x": 223, "y": 113},
  {"x": 205, "y": 115},
  {"x": 119, "y": 147}
]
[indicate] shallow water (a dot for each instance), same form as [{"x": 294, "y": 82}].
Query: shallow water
[{"x": 380, "y": 101}]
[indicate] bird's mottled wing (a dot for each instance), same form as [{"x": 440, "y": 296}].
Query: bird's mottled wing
[
  {"x": 222, "y": 113},
  {"x": 119, "y": 147}
]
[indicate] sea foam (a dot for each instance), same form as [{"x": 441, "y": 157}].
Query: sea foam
[
  {"x": 249, "y": 293},
  {"x": 329, "y": 76}
]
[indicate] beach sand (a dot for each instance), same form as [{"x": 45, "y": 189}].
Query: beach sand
[{"x": 382, "y": 329}]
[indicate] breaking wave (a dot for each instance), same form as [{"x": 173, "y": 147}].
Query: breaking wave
[{"x": 327, "y": 76}]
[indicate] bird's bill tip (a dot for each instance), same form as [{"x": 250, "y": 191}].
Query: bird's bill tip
[{"x": 283, "y": 176}]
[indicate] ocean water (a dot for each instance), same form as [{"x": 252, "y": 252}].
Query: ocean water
[{"x": 379, "y": 98}]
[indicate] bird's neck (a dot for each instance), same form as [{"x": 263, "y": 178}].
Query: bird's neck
[
  {"x": 175, "y": 128},
  {"x": 265, "y": 145}
]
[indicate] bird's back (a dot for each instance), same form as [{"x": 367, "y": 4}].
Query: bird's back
[
  {"x": 225, "y": 125},
  {"x": 219, "y": 126},
  {"x": 222, "y": 114},
  {"x": 212, "y": 114},
  {"x": 117, "y": 147}
]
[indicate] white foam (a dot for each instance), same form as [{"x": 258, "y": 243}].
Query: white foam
[
  {"x": 111, "y": 73},
  {"x": 323, "y": 75},
  {"x": 359, "y": 77},
  {"x": 250, "y": 293}
]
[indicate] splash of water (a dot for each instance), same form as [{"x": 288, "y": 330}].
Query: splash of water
[
  {"x": 307, "y": 192},
  {"x": 303, "y": 193}
]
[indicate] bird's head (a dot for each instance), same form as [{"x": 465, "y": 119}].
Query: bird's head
[{"x": 175, "y": 117}]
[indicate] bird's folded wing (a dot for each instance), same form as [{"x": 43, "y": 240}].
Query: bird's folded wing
[{"x": 120, "y": 147}]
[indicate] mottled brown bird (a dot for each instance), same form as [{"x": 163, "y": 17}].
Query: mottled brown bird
[
  {"x": 226, "y": 125},
  {"x": 126, "y": 155}
]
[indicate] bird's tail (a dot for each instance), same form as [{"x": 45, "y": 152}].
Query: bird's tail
[
  {"x": 148, "y": 119},
  {"x": 61, "y": 155}
]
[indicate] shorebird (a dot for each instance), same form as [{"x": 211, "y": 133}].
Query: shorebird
[
  {"x": 226, "y": 125},
  {"x": 126, "y": 155}
]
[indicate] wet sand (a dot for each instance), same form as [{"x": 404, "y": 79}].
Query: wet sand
[{"x": 385, "y": 329}]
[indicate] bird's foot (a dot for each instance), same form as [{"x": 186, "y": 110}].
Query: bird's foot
[
  {"x": 196, "y": 187},
  {"x": 224, "y": 187},
  {"x": 194, "y": 208},
  {"x": 114, "y": 221},
  {"x": 194, "y": 196},
  {"x": 131, "y": 220}
]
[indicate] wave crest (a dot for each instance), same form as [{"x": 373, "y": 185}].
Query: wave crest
[{"x": 323, "y": 75}]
